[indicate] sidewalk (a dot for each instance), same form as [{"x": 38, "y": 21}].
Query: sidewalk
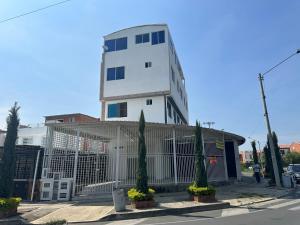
[{"x": 238, "y": 194}]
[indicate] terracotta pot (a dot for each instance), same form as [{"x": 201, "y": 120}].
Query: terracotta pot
[
  {"x": 143, "y": 204},
  {"x": 8, "y": 213},
  {"x": 205, "y": 198}
]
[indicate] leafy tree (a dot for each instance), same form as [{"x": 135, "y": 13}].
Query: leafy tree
[
  {"x": 142, "y": 178},
  {"x": 255, "y": 157},
  {"x": 7, "y": 166},
  {"x": 291, "y": 158},
  {"x": 201, "y": 175}
]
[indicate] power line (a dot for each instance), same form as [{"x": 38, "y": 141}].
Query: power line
[{"x": 34, "y": 11}]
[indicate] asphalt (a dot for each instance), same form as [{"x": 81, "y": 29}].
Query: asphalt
[{"x": 276, "y": 212}]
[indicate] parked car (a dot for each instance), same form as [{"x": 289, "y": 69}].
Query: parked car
[{"x": 294, "y": 169}]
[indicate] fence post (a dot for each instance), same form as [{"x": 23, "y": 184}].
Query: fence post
[
  {"x": 75, "y": 163},
  {"x": 118, "y": 156},
  {"x": 174, "y": 157}
]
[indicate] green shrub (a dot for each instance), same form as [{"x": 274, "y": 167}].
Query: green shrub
[
  {"x": 135, "y": 195},
  {"x": 9, "y": 203},
  {"x": 194, "y": 190},
  {"x": 56, "y": 222}
]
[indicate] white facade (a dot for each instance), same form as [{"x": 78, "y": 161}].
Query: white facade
[
  {"x": 140, "y": 81},
  {"x": 32, "y": 136}
]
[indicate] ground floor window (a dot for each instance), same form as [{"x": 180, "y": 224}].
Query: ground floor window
[{"x": 117, "y": 110}]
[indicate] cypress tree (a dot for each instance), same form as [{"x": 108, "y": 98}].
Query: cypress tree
[
  {"x": 142, "y": 178},
  {"x": 278, "y": 155},
  {"x": 201, "y": 175},
  {"x": 269, "y": 164},
  {"x": 7, "y": 166},
  {"x": 255, "y": 157}
]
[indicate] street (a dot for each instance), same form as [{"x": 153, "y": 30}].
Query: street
[{"x": 275, "y": 212}]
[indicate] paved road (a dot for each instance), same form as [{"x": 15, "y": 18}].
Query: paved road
[{"x": 285, "y": 211}]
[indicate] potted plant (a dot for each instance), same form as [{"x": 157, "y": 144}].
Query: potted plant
[
  {"x": 141, "y": 196},
  {"x": 202, "y": 194},
  {"x": 140, "y": 200},
  {"x": 8, "y": 207},
  {"x": 199, "y": 189}
]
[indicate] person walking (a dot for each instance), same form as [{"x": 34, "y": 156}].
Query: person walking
[{"x": 256, "y": 169}]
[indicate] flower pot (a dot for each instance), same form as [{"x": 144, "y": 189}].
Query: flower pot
[
  {"x": 204, "y": 198},
  {"x": 8, "y": 213},
  {"x": 143, "y": 204}
]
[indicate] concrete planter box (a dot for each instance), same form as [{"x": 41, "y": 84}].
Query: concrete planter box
[
  {"x": 143, "y": 204},
  {"x": 8, "y": 213},
  {"x": 204, "y": 198}
]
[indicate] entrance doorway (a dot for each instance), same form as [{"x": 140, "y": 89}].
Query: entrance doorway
[{"x": 230, "y": 159}]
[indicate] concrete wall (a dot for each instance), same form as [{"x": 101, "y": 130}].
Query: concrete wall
[{"x": 153, "y": 113}]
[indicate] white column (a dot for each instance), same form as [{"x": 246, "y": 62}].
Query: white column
[
  {"x": 76, "y": 162},
  {"x": 118, "y": 156},
  {"x": 237, "y": 161},
  {"x": 174, "y": 157},
  {"x": 35, "y": 172}
]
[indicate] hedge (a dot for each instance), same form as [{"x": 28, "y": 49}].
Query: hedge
[
  {"x": 135, "y": 195},
  {"x": 194, "y": 190},
  {"x": 9, "y": 203}
]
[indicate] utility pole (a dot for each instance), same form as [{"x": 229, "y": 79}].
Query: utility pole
[
  {"x": 261, "y": 78},
  {"x": 209, "y": 124}
]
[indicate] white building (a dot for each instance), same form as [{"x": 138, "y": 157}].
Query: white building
[
  {"x": 140, "y": 70},
  {"x": 35, "y": 135}
]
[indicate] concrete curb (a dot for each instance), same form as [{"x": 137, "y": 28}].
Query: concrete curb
[{"x": 163, "y": 212}]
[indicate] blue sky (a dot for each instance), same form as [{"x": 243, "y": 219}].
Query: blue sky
[{"x": 49, "y": 61}]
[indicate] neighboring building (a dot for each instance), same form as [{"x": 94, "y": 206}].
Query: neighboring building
[
  {"x": 246, "y": 156},
  {"x": 2, "y": 137},
  {"x": 70, "y": 118},
  {"x": 140, "y": 70},
  {"x": 284, "y": 148},
  {"x": 295, "y": 147},
  {"x": 36, "y": 135}
]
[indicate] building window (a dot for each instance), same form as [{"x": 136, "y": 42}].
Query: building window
[
  {"x": 117, "y": 110},
  {"x": 142, "y": 38},
  {"x": 178, "y": 120},
  {"x": 158, "y": 37},
  {"x": 116, "y": 73},
  {"x": 177, "y": 86},
  {"x": 115, "y": 44},
  {"x": 27, "y": 141},
  {"x": 149, "y": 102},
  {"x": 148, "y": 64},
  {"x": 169, "y": 110},
  {"x": 173, "y": 74}
]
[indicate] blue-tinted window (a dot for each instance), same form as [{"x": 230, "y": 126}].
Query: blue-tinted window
[
  {"x": 145, "y": 38},
  {"x": 154, "y": 38},
  {"x": 120, "y": 73},
  {"x": 139, "y": 39},
  {"x": 117, "y": 110},
  {"x": 142, "y": 38},
  {"x": 161, "y": 36},
  {"x": 111, "y": 73},
  {"x": 121, "y": 43},
  {"x": 110, "y": 45},
  {"x": 113, "y": 110},
  {"x": 158, "y": 37}
]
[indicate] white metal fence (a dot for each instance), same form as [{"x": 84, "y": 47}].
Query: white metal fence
[{"x": 101, "y": 155}]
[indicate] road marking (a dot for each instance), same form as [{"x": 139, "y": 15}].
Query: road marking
[
  {"x": 234, "y": 211},
  {"x": 295, "y": 208},
  {"x": 127, "y": 222},
  {"x": 260, "y": 204},
  {"x": 181, "y": 221},
  {"x": 284, "y": 204}
]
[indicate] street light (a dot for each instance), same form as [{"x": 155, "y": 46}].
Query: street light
[{"x": 261, "y": 78}]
